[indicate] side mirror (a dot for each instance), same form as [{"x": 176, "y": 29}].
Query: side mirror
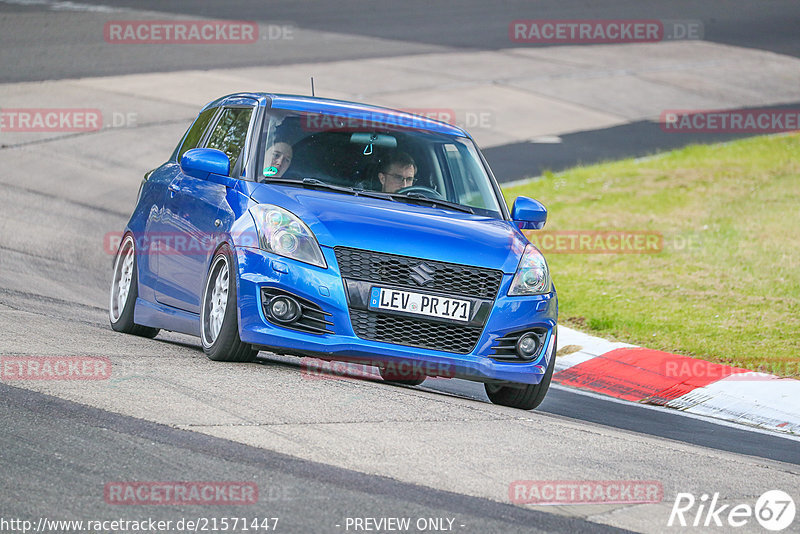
[
  {"x": 200, "y": 162},
  {"x": 528, "y": 214}
]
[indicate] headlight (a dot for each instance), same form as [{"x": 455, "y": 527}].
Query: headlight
[
  {"x": 533, "y": 276},
  {"x": 282, "y": 232}
]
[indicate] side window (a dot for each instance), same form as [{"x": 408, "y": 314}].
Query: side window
[
  {"x": 468, "y": 189},
  {"x": 230, "y": 133},
  {"x": 195, "y": 133}
]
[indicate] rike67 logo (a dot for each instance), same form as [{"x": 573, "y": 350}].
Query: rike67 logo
[{"x": 774, "y": 510}]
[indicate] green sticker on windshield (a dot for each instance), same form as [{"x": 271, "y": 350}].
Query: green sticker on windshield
[{"x": 270, "y": 171}]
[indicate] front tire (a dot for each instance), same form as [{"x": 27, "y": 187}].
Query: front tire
[
  {"x": 125, "y": 290},
  {"x": 219, "y": 326},
  {"x": 523, "y": 396}
]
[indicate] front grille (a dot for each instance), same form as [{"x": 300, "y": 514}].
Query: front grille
[
  {"x": 414, "y": 332},
  {"x": 395, "y": 270}
]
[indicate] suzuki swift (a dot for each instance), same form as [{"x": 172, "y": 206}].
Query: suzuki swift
[{"x": 341, "y": 231}]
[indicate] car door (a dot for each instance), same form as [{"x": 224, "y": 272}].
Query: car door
[{"x": 194, "y": 211}]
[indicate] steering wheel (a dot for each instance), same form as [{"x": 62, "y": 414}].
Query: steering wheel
[{"x": 421, "y": 189}]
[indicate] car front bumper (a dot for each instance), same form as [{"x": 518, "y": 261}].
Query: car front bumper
[{"x": 324, "y": 287}]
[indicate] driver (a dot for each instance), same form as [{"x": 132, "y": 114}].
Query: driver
[
  {"x": 277, "y": 159},
  {"x": 396, "y": 172}
]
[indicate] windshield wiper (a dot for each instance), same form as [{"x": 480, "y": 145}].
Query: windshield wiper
[
  {"x": 411, "y": 198},
  {"x": 415, "y": 197},
  {"x": 372, "y": 194},
  {"x": 311, "y": 183},
  {"x": 315, "y": 183}
]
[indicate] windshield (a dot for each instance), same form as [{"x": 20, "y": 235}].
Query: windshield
[{"x": 405, "y": 164}]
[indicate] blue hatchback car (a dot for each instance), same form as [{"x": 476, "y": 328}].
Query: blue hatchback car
[{"x": 340, "y": 231}]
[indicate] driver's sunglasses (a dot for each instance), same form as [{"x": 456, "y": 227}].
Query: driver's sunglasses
[{"x": 400, "y": 178}]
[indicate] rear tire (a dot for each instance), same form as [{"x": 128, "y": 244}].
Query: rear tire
[
  {"x": 391, "y": 375},
  {"x": 523, "y": 396},
  {"x": 124, "y": 292},
  {"x": 219, "y": 325}
]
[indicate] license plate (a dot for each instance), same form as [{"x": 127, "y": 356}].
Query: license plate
[{"x": 382, "y": 298}]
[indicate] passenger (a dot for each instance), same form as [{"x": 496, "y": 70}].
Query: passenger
[
  {"x": 277, "y": 159},
  {"x": 396, "y": 172}
]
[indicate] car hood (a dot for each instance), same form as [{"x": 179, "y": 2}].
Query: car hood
[{"x": 398, "y": 228}]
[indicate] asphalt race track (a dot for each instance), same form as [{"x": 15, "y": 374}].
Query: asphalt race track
[
  {"x": 361, "y": 30},
  {"x": 307, "y": 496},
  {"x": 321, "y": 451}
]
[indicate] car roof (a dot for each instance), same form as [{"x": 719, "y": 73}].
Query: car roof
[{"x": 343, "y": 108}]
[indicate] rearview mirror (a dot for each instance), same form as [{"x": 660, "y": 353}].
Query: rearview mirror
[
  {"x": 381, "y": 140},
  {"x": 200, "y": 162},
  {"x": 528, "y": 214}
]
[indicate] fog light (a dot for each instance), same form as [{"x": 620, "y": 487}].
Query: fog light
[
  {"x": 284, "y": 309},
  {"x": 527, "y": 346}
]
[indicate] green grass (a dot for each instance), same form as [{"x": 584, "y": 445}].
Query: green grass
[{"x": 725, "y": 287}]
